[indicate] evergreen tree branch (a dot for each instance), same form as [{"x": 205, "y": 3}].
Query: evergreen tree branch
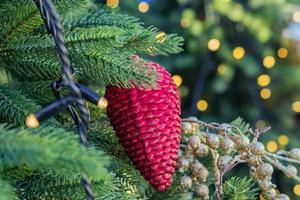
[
  {"x": 103, "y": 16},
  {"x": 6, "y": 191},
  {"x": 14, "y": 107},
  {"x": 239, "y": 189},
  {"x": 51, "y": 150},
  {"x": 39, "y": 91},
  {"x": 16, "y": 24}
]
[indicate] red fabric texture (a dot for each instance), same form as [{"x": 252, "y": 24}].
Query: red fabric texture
[{"x": 147, "y": 122}]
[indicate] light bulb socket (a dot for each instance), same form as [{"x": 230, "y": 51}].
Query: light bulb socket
[
  {"x": 33, "y": 120},
  {"x": 88, "y": 94}
]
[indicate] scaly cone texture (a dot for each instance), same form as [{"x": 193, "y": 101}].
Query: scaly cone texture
[{"x": 147, "y": 122}]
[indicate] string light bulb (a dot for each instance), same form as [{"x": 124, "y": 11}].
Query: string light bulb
[
  {"x": 185, "y": 23},
  {"x": 31, "y": 121},
  {"x": 296, "y": 106},
  {"x": 143, "y": 7},
  {"x": 202, "y": 105},
  {"x": 213, "y": 44},
  {"x": 283, "y": 140},
  {"x": 238, "y": 53},
  {"x": 265, "y": 93},
  {"x": 196, "y": 27},
  {"x": 296, "y": 16},
  {"x": 112, "y": 3},
  {"x": 282, "y": 53},
  {"x": 269, "y": 62},
  {"x": 187, "y": 17},
  {"x": 177, "y": 80},
  {"x": 272, "y": 146},
  {"x": 102, "y": 103},
  {"x": 297, "y": 189},
  {"x": 221, "y": 69},
  {"x": 263, "y": 80}
]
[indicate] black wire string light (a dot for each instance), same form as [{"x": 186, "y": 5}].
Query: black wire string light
[{"x": 78, "y": 94}]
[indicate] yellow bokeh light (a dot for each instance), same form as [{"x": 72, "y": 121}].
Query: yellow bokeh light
[
  {"x": 202, "y": 105},
  {"x": 238, "y": 53},
  {"x": 196, "y": 27},
  {"x": 112, "y": 3},
  {"x": 221, "y": 69},
  {"x": 283, "y": 140},
  {"x": 269, "y": 62},
  {"x": 296, "y": 16},
  {"x": 297, "y": 189},
  {"x": 189, "y": 14},
  {"x": 296, "y": 106},
  {"x": 143, "y": 7},
  {"x": 263, "y": 80},
  {"x": 185, "y": 23},
  {"x": 265, "y": 93},
  {"x": 177, "y": 80},
  {"x": 272, "y": 146},
  {"x": 282, "y": 53},
  {"x": 160, "y": 37},
  {"x": 213, "y": 44}
]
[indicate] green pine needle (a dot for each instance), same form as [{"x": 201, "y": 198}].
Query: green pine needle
[
  {"x": 241, "y": 124},
  {"x": 14, "y": 107},
  {"x": 239, "y": 189},
  {"x": 6, "y": 191},
  {"x": 99, "y": 40},
  {"x": 49, "y": 148}
]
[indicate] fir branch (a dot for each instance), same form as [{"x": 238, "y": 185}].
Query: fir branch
[
  {"x": 100, "y": 51},
  {"x": 39, "y": 91},
  {"x": 239, "y": 189},
  {"x": 117, "y": 70},
  {"x": 6, "y": 191},
  {"x": 102, "y": 16},
  {"x": 50, "y": 149},
  {"x": 16, "y": 23},
  {"x": 48, "y": 185},
  {"x": 78, "y": 36},
  {"x": 241, "y": 125},
  {"x": 32, "y": 66},
  {"x": 14, "y": 107},
  {"x": 145, "y": 41},
  {"x": 51, "y": 186},
  {"x": 136, "y": 41},
  {"x": 96, "y": 64}
]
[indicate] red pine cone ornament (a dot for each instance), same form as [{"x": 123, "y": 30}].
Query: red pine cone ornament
[{"x": 147, "y": 123}]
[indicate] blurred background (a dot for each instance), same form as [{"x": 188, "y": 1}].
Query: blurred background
[{"x": 241, "y": 58}]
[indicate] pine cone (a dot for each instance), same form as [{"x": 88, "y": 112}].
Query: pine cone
[{"x": 147, "y": 123}]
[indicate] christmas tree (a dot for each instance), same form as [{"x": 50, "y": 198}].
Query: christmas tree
[{"x": 96, "y": 45}]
